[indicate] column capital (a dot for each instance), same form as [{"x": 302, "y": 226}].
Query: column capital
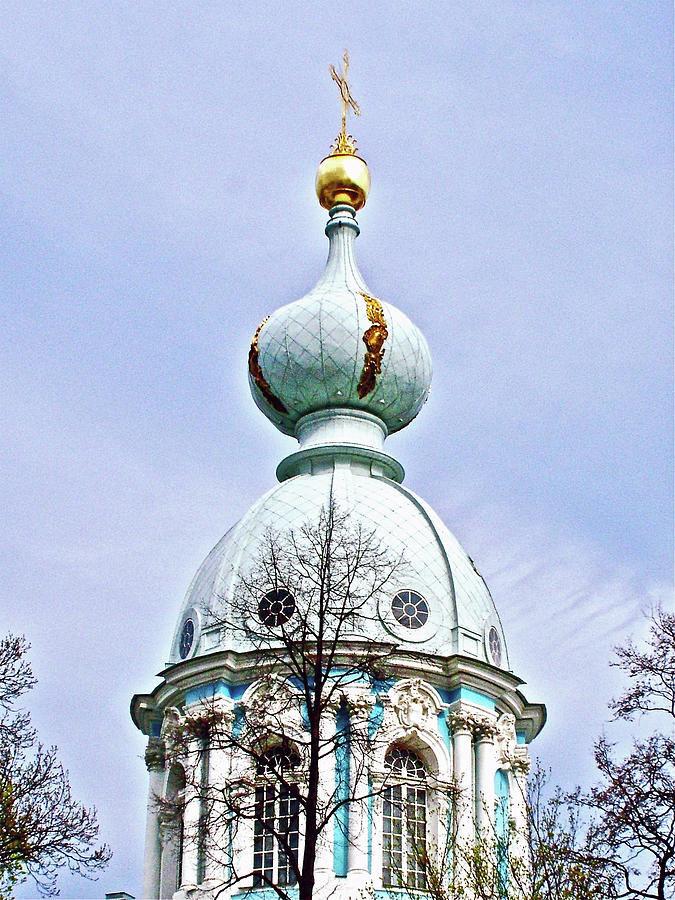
[
  {"x": 462, "y": 718},
  {"x": 359, "y": 702},
  {"x": 155, "y": 753},
  {"x": 332, "y": 706},
  {"x": 484, "y": 731}
]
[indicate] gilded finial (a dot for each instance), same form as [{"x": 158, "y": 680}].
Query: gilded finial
[
  {"x": 344, "y": 143},
  {"x": 343, "y": 176}
]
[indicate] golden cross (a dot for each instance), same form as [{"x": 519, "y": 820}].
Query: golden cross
[{"x": 347, "y": 100}]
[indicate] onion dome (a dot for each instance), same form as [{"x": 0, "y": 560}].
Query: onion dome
[{"x": 339, "y": 346}]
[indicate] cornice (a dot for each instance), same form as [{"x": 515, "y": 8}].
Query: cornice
[{"x": 446, "y": 673}]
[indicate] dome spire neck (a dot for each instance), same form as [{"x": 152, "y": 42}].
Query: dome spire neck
[
  {"x": 340, "y": 436},
  {"x": 342, "y": 214},
  {"x": 341, "y": 268}
]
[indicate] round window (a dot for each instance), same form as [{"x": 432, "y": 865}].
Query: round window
[
  {"x": 276, "y": 607},
  {"x": 495, "y": 646},
  {"x": 410, "y": 609},
  {"x": 187, "y": 636}
]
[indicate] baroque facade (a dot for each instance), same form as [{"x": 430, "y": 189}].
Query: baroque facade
[{"x": 339, "y": 370}]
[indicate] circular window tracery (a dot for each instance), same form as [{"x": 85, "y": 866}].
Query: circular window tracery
[
  {"x": 276, "y": 607},
  {"x": 187, "y": 636},
  {"x": 495, "y": 646},
  {"x": 410, "y": 609}
]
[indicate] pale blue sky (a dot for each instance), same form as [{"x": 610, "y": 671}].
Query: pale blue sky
[{"x": 156, "y": 182}]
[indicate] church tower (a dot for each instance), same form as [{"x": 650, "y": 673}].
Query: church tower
[{"x": 339, "y": 575}]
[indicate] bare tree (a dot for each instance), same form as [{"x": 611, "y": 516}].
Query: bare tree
[
  {"x": 42, "y": 828},
  {"x": 635, "y": 801},
  {"x": 652, "y": 671},
  {"x": 616, "y": 840},
  {"x": 562, "y": 860},
  {"x": 306, "y": 611},
  {"x": 554, "y": 858}
]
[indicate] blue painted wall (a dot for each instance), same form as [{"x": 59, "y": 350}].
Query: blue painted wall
[
  {"x": 341, "y": 824},
  {"x": 216, "y": 689},
  {"x": 502, "y": 825},
  {"x": 468, "y": 694}
]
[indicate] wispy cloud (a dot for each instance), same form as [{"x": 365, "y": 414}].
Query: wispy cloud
[{"x": 565, "y": 604}]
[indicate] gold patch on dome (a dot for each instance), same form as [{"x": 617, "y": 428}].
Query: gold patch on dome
[
  {"x": 373, "y": 337},
  {"x": 257, "y": 373}
]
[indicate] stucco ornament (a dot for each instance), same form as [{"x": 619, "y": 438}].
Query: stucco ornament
[
  {"x": 172, "y": 724},
  {"x": 521, "y": 762},
  {"x": 155, "y": 753},
  {"x": 468, "y": 719},
  {"x": 359, "y": 704},
  {"x": 270, "y": 701},
  {"x": 506, "y": 738},
  {"x": 414, "y": 704}
]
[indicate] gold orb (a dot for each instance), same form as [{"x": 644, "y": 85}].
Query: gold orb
[{"x": 342, "y": 178}]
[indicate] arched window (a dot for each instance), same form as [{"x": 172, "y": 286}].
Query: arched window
[
  {"x": 276, "y": 826},
  {"x": 404, "y": 820}
]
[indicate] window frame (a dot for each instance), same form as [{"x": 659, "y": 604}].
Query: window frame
[
  {"x": 279, "y": 793},
  {"x": 407, "y": 792}
]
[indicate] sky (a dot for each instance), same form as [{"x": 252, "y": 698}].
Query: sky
[{"x": 157, "y": 163}]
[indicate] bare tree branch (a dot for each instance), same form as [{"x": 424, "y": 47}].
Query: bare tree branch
[
  {"x": 307, "y": 609},
  {"x": 42, "y": 828}
]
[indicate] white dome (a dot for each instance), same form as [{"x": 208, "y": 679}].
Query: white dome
[
  {"x": 339, "y": 346},
  {"x": 462, "y": 616}
]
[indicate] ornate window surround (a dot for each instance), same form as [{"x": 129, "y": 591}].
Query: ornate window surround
[
  {"x": 428, "y": 747},
  {"x": 404, "y": 818}
]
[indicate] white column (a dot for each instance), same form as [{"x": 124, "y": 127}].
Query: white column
[
  {"x": 191, "y": 816},
  {"x": 169, "y": 832},
  {"x": 154, "y": 760},
  {"x": 485, "y": 783},
  {"x": 359, "y": 706},
  {"x": 520, "y": 768},
  {"x": 323, "y": 866},
  {"x": 462, "y": 753},
  {"x": 219, "y": 850}
]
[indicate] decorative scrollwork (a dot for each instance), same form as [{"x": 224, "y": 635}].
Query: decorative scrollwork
[
  {"x": 413, "y": 705},
  {"x": 373, "y": 337},
  {"x": 344, "y": 145}
]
